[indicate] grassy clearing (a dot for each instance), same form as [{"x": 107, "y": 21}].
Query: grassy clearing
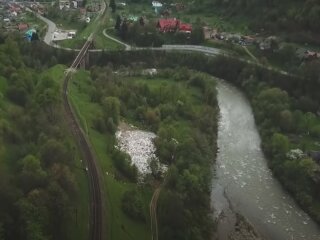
[
  {"x": 79, "y": 227},
  {"x": 135, "y": 9},
  {"x": 100, "y": 40},
  {"x": 3, "y": 84},
  {"x": 212, "y": 19}
]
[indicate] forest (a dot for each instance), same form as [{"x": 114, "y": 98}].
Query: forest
[{"x": 38, "y": 187}]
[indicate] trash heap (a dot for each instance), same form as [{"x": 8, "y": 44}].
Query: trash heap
[{"x": 139, "y": 145}]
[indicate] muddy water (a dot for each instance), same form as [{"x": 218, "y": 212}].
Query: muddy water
[{"x": 243, "y": 180}]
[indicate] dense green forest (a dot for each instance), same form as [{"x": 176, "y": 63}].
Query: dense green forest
[
  {"x": 286, "y": 109},
  {"x": 38, "y": 188},
  {"x": 181, "y": 108}
]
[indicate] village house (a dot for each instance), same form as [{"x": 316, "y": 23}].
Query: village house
[
  {"x": 157, "y": 6},
  {"x": 307, "y": 55},
  {"x": 167, "y": 25},
  {"x": 64, "y": 4},
  {"x": 268, "y": 43},
  {"x": 247, "y": 40},
  {"x": 36, "y": 7},
  {"x": 173, "y": 25},
  {"x": 23, "y": 27},
  {"x": 180, "y": 7},
  {"x": 185, "y": 28},
  {"x": 14, "y": 9},
  {"x": 310, "y": 55}
]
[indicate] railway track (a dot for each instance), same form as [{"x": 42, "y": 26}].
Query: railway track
[{"x": 96, "y": 204}]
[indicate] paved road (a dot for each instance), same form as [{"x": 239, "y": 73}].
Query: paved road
[
  {"x": 51, "y": 27},
  {"x": 196, "y": 48},
  {"x": 127, "y": 47}
]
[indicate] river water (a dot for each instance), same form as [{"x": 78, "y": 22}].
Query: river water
[{"x": 244, "y": 181}]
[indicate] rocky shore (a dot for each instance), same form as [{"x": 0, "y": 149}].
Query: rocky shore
[{"x": 243, "y": 230}]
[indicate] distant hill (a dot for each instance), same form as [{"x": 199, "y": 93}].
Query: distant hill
[{"x": 299, "y": 19}]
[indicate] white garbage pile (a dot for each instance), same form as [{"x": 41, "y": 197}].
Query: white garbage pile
[{"x": 139, "y": 145}]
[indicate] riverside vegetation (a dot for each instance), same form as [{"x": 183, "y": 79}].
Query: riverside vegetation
[{"x": 285, "y": 108}]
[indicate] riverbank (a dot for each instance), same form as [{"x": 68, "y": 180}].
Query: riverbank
[
  {"x": 244, "y": 176},
  {"x": 244, "y": 230},
  {"x": 230, "y": 224}
]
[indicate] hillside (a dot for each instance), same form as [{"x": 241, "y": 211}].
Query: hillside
[
  {"x": 43, "y": 185},
  {"x": 300, "y": 20}
]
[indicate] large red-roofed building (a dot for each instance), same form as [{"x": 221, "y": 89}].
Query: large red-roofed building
[
  {"x": 172, "y": 25},
  {"x": 168, "y": 25}
]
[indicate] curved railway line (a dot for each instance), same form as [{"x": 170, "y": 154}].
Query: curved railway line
[{"x": 96, "y": 203}]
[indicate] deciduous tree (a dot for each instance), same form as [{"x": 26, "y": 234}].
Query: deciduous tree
[{"x": 112, "y": 5}]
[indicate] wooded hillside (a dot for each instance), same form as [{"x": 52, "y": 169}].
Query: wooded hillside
[{"x": 299, "y": 18}]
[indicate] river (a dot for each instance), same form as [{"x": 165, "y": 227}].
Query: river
[{"x": 244, "y": 181}]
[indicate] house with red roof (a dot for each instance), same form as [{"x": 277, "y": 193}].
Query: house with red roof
[
  {"x": 173, "y": 25},
  {"x": 23, "y": 26},
  {"x": 185, "y": 27},
  {"x": 310, "y": 55},
  {"x": 168, "y": 25}
]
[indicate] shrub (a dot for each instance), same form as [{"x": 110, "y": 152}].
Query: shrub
[
  {"x": 131, "y": 205},
  {"x": 123, "y": 164}
]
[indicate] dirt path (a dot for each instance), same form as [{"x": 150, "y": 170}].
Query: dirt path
[{"x": 153, "y": 214}]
